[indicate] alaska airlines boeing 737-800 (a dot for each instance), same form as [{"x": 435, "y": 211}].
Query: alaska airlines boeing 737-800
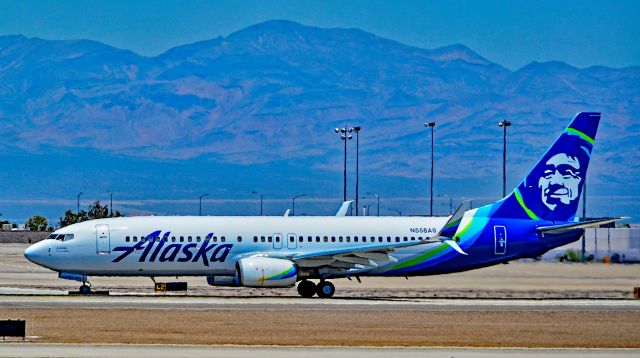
[{"x": 538, "y": 215}]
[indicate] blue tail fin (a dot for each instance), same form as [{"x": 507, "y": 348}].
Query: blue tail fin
[{"x": 551, "y": 191}]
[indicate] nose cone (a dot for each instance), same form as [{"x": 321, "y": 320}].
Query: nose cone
[{"x": 36, "y": 253}]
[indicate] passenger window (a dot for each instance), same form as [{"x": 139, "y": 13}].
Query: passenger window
[
  {"x": 317, "y": 238},
  {"x": 189, "y": 239},
  {"x": 388, "y": 238},
  {"x": 239, "y": 238},
  {"x": 135, "y": 239},
  {"x": 173, "y": 239},
  {"x": 262, "y": 238},
  {"x": 255, "y": 239},
  {"x": 340, "y": 238},
  {"x": 127, "y": 239},
  {"x": 333, "y": 239},
  {"x": 270, "y": 239},
  {"x": 300, "y": 239},
  {"x": 326, "y": 239},
  {"x": 181, "y": 238},
  {"x": 309, "y": 239},
  {"x": 397, "y": 239},
  {"x": 355, "y": 239},
  {"x": 198, "y": 238},
  {"x": 405, "y": 238},
  {"x": 223, "y": 239},
  {"x": 413, "y": 238},
  {"x": 157, "y": 238},
  {"x": 215, "y": 239}
]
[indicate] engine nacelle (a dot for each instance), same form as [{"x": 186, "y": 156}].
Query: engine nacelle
[{"x": 266, "y": 272}]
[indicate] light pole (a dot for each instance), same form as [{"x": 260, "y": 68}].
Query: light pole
[
  {"x": 345, "y": 134},
  {"x": 255, "y": 192},
  {"x": 78, "y": 203},
  {"x": 110, "y": 203},
  {"x": 396, "y": 210},
  {"x": 200, "y": 207},
  {"x": 357, "y": 130},
  {"x": 377, "y": 202},
  {"x": 431, "y": 125},
  {"x": 293, "y": 203},
  {"x": 504, "y": 124}
]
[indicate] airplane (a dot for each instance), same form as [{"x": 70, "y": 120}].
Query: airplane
[{"x": 280, "y": 251}]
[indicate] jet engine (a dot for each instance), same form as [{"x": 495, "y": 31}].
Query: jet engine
[{"x": 266, "y": 272}]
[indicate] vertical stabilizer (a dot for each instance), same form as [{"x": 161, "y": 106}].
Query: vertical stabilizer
[{"x": 552, "y": 189}]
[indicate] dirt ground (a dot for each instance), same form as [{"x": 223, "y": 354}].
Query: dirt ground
[{"x": 584, "y": 329}]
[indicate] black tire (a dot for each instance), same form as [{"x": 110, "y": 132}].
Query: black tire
[
  {"x": 85, "y": 290},
  {"x": 325, "y": 289},
  {"x": 306, "y": 289}
]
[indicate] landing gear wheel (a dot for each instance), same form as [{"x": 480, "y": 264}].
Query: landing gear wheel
[
  {"x": 85, "y": 290},
  {"x": 325, "y": 289},
  {"x": 306, "y": 289}
]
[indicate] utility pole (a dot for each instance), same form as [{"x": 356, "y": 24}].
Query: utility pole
[
  {"x": 431, "y": 125},
  {"x": 345, "y": 135},
  {"x": 504, "y": 124},
  {"x": 200, "y": 207},
  {"x": 357, "y": 130},
  {"x": 78, "y": 203}
]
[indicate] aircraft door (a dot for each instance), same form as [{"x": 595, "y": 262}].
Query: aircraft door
[
  {"x": 277, "y": 241},
  {"x": 500, "y": 237},
  {"x": 292, "y": 243},
  {"x": 103, "y": 239}
]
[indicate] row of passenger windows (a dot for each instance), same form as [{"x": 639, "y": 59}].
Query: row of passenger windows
[
  {"x": 177, "y": 239},
  {"x": 339, "y": 239},
  {"x": 277, "y": 239}
]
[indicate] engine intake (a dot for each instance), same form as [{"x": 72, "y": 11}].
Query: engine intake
[{"x": 266, "y": 272}]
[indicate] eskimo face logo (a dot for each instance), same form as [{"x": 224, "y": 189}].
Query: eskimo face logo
[{"x": 560, "y": 182}]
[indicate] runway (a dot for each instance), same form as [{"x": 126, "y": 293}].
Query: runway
[
  {"x": 170, "y": 351},
  {"x": 521, "y": 305},
  {"x": 143, "y": 302}
]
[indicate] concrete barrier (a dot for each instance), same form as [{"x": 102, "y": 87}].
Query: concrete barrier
[{"x": 22, "y": 237}]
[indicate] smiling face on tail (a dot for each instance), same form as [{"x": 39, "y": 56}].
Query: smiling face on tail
[{"x": 551, "y": 190}]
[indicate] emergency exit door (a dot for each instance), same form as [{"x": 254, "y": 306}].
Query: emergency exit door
[
  {"x": 103, "y": 239},
  {"x": 500, "y": 237}
]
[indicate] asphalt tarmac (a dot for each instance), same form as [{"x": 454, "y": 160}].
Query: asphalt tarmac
[{"x": 160, "y": 351}]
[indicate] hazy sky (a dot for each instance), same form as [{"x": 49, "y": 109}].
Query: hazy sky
[{"x": 511, "y": 33}]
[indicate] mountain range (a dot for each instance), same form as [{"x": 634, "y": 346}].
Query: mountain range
[{"x": 256, "y": 111}]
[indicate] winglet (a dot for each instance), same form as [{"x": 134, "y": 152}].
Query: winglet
[
  {"x": 286, "y": 213},
  {"x": 454, "y": 246},
  {"x": 344, "y": 208},
  {"x": 449, "y": 229}
]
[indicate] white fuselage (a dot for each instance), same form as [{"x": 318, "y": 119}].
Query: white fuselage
[{"x": 212, "y": 245}]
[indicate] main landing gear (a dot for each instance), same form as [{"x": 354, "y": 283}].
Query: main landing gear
[
  {"x": 85, "y": 289},
  {"x": 324, "y": 289}
]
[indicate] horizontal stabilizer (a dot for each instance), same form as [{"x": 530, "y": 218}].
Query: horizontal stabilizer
[{"x": 561, "y": 229}]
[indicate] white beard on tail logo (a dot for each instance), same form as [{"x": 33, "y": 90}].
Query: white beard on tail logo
[{"x": 560, "y": 182}]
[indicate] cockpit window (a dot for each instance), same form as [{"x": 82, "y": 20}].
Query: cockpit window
[
  {"x": 59, "y": 237},
  {"x": 68, "y": 237}
]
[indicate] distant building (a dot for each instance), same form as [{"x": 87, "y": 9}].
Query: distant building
[{"x": 605, "y": 242}]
